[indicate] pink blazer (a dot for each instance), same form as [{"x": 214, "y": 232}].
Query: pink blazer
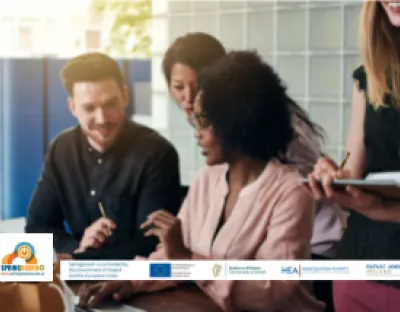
[{"x": 273, "y": 219}]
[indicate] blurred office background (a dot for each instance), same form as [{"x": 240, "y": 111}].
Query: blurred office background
[{"x": 312, "y": 44}]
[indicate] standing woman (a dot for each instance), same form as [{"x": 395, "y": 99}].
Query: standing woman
[{"x": 373, "y": 230}]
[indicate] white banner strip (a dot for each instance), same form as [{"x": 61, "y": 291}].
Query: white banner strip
[{"x": 230, "y": 270}]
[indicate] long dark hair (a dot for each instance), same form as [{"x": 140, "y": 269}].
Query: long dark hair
[
  {"x": 196, "y": 50},
  {"x": 303, "y": 116}
]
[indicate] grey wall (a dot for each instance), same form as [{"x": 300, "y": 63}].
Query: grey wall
[{"x": 313, "y": 45}]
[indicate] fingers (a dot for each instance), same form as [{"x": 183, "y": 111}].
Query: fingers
[
  {"x": 89, "y": 241},
  {"x": 124, "y": 292},
  {"x": 320, "y": 181},
  {"x": 160, "y": 233},
  {"x": 158, "y": 221},
  {"x": 159, "y": 218},
  {"x": 356, "y": 193},
  {"x": 342, "y": 174},
  {"x": 101, "y": 229},
  {"x": 327, "y": 185},
  {"x": 162, "y": 213},
  {"x": 100, "y": 235},
  {"x": 86, "y": 292},
  {"x": 92, "y": 242},
  {"x": 103, "y": 291},
  {"x": 119, "y": 290},
  {"x": 106, "y": 223},
  {"x": 326, "y": 165},
  {"x": 92, "y": 296},
  {"x": 315, "y": 187},
  {"x": 83, "y": 294}
]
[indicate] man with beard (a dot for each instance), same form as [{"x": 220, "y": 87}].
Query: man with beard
[{"x": 102, "y": 178}]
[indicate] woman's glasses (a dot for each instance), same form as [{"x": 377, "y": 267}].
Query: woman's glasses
[{"x": 200, "y": 121}]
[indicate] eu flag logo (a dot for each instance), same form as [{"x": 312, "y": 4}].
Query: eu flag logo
[{"x": 160, "y": 269}]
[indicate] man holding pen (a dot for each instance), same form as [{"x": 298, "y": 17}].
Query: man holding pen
[{"x": 105, "y": 176}]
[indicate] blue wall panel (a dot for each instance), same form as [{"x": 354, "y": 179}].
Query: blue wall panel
[
  {"x": 22, "y": 121},
  {"x": 139, "y": 71}
]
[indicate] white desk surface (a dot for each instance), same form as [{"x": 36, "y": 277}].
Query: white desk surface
[{"x": 12, "y": 225}]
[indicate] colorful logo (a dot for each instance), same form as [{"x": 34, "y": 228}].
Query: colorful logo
[
  {"x": 160, "y": 270},
  {"x": 24, "y": 252}
]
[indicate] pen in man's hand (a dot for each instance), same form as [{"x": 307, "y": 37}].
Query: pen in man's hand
[{"x": 102, "y": 211}]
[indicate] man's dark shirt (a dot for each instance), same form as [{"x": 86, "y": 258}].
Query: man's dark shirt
[{"x": 136, "y": 176}]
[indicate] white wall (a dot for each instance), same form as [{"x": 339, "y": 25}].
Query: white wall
[{"x": 313, "y": 45}]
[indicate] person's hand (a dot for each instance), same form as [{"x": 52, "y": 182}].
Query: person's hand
[
  {"x": 364, "y": 203},
  {"x": 96, "y": 234},
  {"x": 168, "y": 229},
  {"x": 91, "y": 296},
  {"x": 325, "y": 170}
]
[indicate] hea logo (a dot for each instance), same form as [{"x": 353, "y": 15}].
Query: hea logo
[{"x": 291, "y": 270}]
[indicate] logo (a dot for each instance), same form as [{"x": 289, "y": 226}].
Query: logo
[
  {"x": 245, "y": 270},
  {"x": 291, "y": 270},
  {"x": 160, "y": 270},
  {"x": 22, "y": 259},
  {"x": 216, "y": 270},
  {"x": 381, "y": 269},
  {"x": 317, "y": 270}
]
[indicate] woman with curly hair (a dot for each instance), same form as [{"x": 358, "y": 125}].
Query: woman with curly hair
[
  {"x": 187, "y": 56},
  {"x": 246, "y": 203}
]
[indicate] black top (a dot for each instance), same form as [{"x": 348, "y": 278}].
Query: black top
[
  {"x": 138, "y": 175},
  {"x": 366, "y": 238}
]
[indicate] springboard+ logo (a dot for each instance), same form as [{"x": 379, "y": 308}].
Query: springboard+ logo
[{"x": 22, "y": 261}]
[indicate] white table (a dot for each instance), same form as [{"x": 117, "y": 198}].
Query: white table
[{"x": 12, "y": 225}]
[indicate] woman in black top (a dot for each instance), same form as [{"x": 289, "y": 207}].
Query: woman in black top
[{"x": 373, "y": 230}]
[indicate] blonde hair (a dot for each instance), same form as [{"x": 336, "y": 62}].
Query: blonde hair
[{"x": 380, "y": 53}]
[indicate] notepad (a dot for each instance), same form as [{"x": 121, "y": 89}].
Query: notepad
[
  {"x": 393, "y": 176},
  {"x": 386, "y": 184}
]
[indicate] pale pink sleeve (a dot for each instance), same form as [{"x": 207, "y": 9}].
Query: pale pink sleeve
[
  {"x": 288, "y": 237},
  {"x": 159, "y": 254}
]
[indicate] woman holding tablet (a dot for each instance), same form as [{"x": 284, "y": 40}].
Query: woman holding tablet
[{"x": 373, "y": 230}]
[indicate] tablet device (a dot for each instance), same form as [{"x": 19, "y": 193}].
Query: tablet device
[{"x": 388, "y": 189}]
